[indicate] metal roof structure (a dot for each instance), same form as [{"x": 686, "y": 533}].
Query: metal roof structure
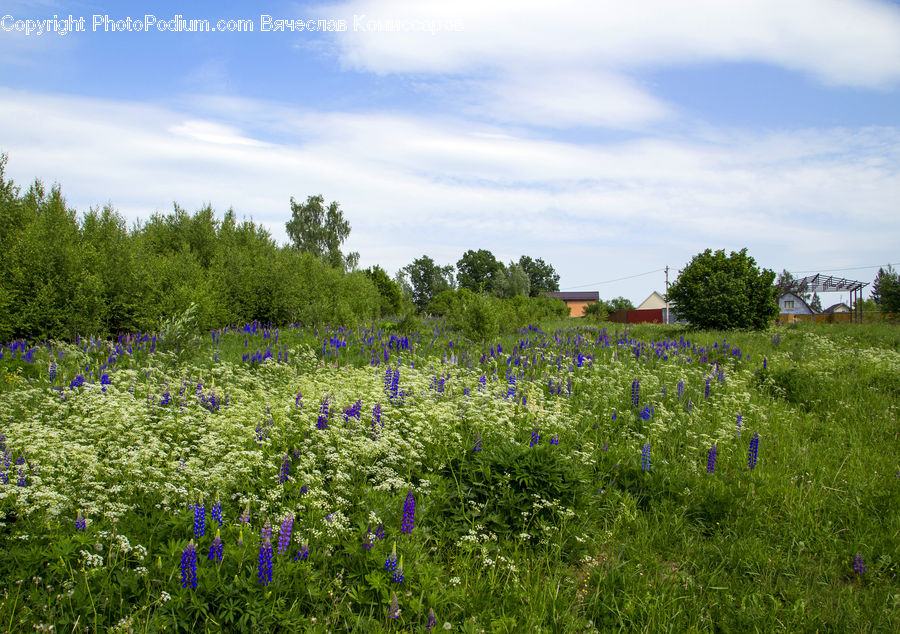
[
  {"x": 576, "y": 296},
  {"x": 819, "y": 283}
]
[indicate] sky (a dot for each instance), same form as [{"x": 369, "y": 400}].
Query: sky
[{"x": 610, "y": 138}]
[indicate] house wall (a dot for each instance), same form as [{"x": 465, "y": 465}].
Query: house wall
[
  {"x": 654, "y": 301},
  {"x": 799, "y": 308},
  {"x": 576, "y": 309}
]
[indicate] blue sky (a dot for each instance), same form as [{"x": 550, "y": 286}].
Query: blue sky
[{"x": 609, "y": 138}]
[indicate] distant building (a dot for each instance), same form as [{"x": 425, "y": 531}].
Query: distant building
[
  {"x": 654, "y": 300},
  {"x": 577, "y": 301},
  {"x": 840, "y": 307},
  {"x": 793, "y": 304}
]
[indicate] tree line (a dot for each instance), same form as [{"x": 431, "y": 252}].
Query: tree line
[{"x": 63, "y": 274}]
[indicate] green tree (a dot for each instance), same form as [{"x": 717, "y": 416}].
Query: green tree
[
  {"x": 816, "y": 303},
  {"x": 719, "y": 291},
  {"x": 542, "y": 277},
  {"x": 620, "y": 303},
  {"x": 886, "y": 290},
  {"x": 426, "y": 279},
  {"x": 389, "y": 291},
  {"x": 512, "y": 281},
  {"x": 320, "y": 231},
  {"x": 477, "y": 270},
  {"x": 787, "y": 283}
]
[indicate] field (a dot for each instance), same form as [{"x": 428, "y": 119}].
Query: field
[{"x": 568, "y": 478}]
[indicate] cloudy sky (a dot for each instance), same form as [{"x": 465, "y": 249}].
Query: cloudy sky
[{"x": 611, "y": 138}]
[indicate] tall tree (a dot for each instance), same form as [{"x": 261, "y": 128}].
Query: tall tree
[
  {"x": 318, "y": 230},
  {"x": 816, "y": 303},
  {"x": 512, "y": 282},
  {"x": 542, "y": 277},
  {"x": 883, "y": 277},
  {"x": 477, "y": 270},
  {"x": 886, "y": 290},
  {"x": 426, "y": 279},
  {"x": 787, "y": 283},
  {"x": 719, "y": 291}
]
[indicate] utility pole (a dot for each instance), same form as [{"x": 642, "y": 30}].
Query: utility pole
[{"x": 667, "y": 293}]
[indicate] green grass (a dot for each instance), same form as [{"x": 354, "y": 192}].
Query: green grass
[{"x": 568, "y": 537}]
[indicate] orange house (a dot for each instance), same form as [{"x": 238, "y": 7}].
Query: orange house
[{"x": 577, "y": 301}]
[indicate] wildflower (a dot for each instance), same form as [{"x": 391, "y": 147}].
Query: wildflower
[
  {"x": 285, "y": 472},
  {"x": 80, "y": 524},
  {"x": 646, "y": 413},
  {"x": 216, "y": 549},
  {"x": 535, "y": 437},
  {"x": 409, "y": 513},
  {"x": 245, "y": 516},
  {"x": 397, "y": 577},
  {"x": 390, "y": 564},
  {"x": 554, "y": 439},
  {"x": 635, "y": 392},
  {"x": 216, "y": 512},
  {"x": 605, "y": 447},
  {"x": 754, "y": 446},
  {"x": 395, "y": 607},
  {"x": 482, "y": 382},
  {"x": 303, "y": 553},
  {"x": 240, "y": 541},
  {"x": 706, "y": 393},
  {"x": 368, "y": 539},
  {"x": 645, "y": 457},
  {"x": 189, "y": 566},
  {"x": 711, "y": 460},
  {"x": 432, "y": 619},
  {"x": 266, "y": 532},
  {"x": 859, "y": 567},
  {"x": 765, "y": 363},
  {"x": 284, "y": 536},
  {"x": 477, "y": 446},
  {"x": 199, "y": 519},
  {"x": 322, "y": 421},
  {"x": 264, "y": 571},
  {"x": 379, "y": 532},
  {"x": 680, "y": 389}
]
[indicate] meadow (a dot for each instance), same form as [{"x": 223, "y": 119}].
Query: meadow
[{"x": 569, "y": 477}]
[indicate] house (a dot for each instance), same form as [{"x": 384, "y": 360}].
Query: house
[
  {"x": 577, "y": 301},
  {"x": 791, "y": 306},
  {"x": 840, "y": 307},
  {"x": 654, "y": 300}
]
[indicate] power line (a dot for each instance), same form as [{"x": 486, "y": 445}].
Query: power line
[
  {"x": 615, "y": 280},
  {"x": 854, "y": 268}
]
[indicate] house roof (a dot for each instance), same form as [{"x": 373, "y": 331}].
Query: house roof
[
  {"x": 654, "y": 300},
  {"x": 796, "y": 296},
  {"x": 577, "y": 296},
  {"x": 834, "y": 308}
]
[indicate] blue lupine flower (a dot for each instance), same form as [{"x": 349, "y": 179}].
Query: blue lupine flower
[
  {"x": 711, "y": 460},
  {"x": 368, "y": 539},
  {"x": 379, "y": 532},
  {"x": 477, "y": 446},
  {"x": 199, "y": 519},
  {"x": 390, "y": 564},
  {"x": 397, "y": 577},
  {"x": 635, "y": 392},
  {"x": 189, "y": 566},
  {"x": 303, "y": 553},
  {"x": 432, "y": 619},
  {"x": 645, "y": 457},
  {"x": 765, "y": 363},
  {"x": 322, "y": 421},
  {"x": 859, "y": 567},
  {"x": 284, "y": 536},
  {"x": 298, "y": 402},
  {"x": 264, "y": 570},
  {"x": 482, "y": 382},
  {"x": 680, "y": 389},
  {"x": 284, "y": 473},
  {"x": 216, "y": 549},
  {"x": 646, "y": 413},
  {"x": 216, "y": 512},
  {"x": 80, "y": 523},
  {"x": 754, "y": 446},
  {"x": 706, "y": 393},
  {"x": 535, "y": 437},
  {"x": 266, "y": 532},
  {"x": 409, "y": 513},
  {"x": 78, "y": 381},
  {"x": 51, "y": 371},
  {"x": 554, "y": 439},
  {"x": 511, "y": 390},
  {"x": 22, "y": 471},
  {"x": 738, "y": 424}
]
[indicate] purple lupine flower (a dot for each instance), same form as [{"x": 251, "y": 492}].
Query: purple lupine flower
[
  {"x": 284, "y": 473},
  {"x": 80, "y": 523},
  {"x": 298, "y": 402},
  {"x": 635, "y": 392},
  {"x": 199, "y": 519},
  {"x": 368, "y": 539},
  {"x": 216, "y": 549},
  {"x": 284, "y": 536},
  {"x": 409, "y": 513},
  {"x": 189, "y": 566},
  {"x": 711, "y": 460},
  {"x": 264, "y": 570},
  {"x": 390, "y": 564},
  {"x": 216, "y": 512},
  {"x": 765, "y": 363},
  {"x": 554, "y": 439},
  {"x": 303, "y": 553},
  {"x": 322, "y": 421},
  {"x": 432, "y": 619},
  {"x": 605, "y": 447},
  {"x": 646, "y": 413},
  {"x": 303, "y": 490},
  {"x": 245, "y": 516},
  {"x": 754, "y": 446},
  {"x": 397, "y": 576},
  {"x": 859, "y": 567},
  {"x": 394, "y": 612},
  {"x": 535, "y": 437},
  {"x": 645, "y": 457},
  {"x": 266, "y": 532},
  {"x": 738, "y": 424},
  {"x": 477, "y": 445},
  {"x": 482, "y": 382},
  {"x": 379, "y": 532},
  {"x": 680, "y": 389},
  {"x": 706, "y": 393}
]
